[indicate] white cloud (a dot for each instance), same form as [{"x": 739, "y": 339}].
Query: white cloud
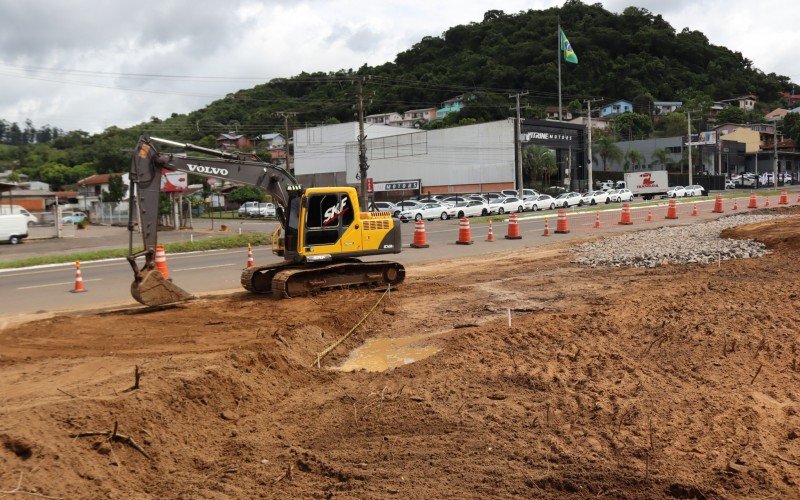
[{"x": 279, "y": 38}]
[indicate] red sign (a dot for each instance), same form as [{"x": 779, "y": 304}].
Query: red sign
[{"x": 370, "y": 185}]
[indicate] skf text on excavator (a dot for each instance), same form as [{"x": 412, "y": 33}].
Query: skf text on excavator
[{"x": 323, "y": 231}]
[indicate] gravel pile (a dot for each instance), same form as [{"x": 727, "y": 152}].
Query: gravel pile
[{"x": 696, "y": 243}]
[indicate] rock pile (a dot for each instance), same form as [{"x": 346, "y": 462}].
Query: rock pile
[{"x": 696, "y": 243}]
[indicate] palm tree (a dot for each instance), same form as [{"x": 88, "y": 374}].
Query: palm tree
[
  {"x": 660, "y": 156},
  {"x": 538, "y": 158},
  {"x": 634, "y": 157},
  {"x": 607, "y": 150}
]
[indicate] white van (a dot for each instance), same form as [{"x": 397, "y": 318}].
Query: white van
[
  {"x": 13, "y": 228},
  {"x": 18, "y": 210}
]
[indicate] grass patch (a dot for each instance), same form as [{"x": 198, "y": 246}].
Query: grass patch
[{"x": 215, "y": 243}]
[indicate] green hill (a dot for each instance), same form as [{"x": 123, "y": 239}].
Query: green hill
[{"x": 634, "y": 54}]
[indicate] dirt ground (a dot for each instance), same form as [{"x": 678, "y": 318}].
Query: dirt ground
[{"x": 677, "y": 382}]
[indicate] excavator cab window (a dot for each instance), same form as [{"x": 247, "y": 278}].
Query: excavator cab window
[{"x": 327, "y": 216}]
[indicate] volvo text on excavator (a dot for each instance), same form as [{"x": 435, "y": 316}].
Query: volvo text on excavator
[{"x": 322, "y": 232}]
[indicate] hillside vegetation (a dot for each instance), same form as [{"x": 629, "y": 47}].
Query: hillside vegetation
[{"x": 635, "y": 55}]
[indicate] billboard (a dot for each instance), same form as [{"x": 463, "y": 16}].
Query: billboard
[{"x": 705, "y": 138}]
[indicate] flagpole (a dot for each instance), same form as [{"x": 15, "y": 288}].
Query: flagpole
[{"x": 558, "y": 55}]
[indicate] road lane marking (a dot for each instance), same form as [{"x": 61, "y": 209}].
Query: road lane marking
[
  {"x": 203, "y": 267},
  {"x": 57, "y": 284}
]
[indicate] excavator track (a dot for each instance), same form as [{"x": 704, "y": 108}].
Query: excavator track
[
  {"x": 297, "y": 281},
  {"x": 259, "y": 279}
]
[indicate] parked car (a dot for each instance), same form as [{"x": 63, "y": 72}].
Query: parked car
[
  {"x": 567, "y": 200},
  {"x": 543, "y": 202},
  {"x": 472, "y": 208},
  {"x": 428, "y": 211},
  {"x": 385, "y": 206},
  {"x": 266, "y": 210},
  {"x": 526, "y": 193},
  {"x": 555, "y": 190},
  {"x": 695, "y": 190},
  {"x": 30, "y": 219},
  {"x": 676, "y": 192},
  {"x": 73, "y": 217},
  {"x": 595, "y": 197},
  {"x": 729, "y": 184},
  {"x": 452, "y": 200},
  {"x": 408, "y": 205},
  {"x": 503, "y": 205},
  {"x": 248, "y": 207},
  {"x": 620, "y": 195}
]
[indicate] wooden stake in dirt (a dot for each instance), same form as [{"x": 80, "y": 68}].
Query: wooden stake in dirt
[
  {"x": 509, "y": 317},
  {"x": 137, "y": 374},
  {"x": 756, "y": 375}
]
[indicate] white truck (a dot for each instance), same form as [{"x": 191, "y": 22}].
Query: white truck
[
  {"x": 647, "y": 184},
  {"x": 13, "y": 228}
]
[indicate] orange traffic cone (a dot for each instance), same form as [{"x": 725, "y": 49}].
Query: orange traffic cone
[
  {"x": 625, "y": 215},
  {"x": 250, "y": 262},
  {"x": 490, "y": 236},
  {"x": 597, "y": 220},
  {"x": 735, "y": 204},
  {"x": 546, "y": 228},
  {"x": 718, "y": 205},
  {"x": 672, "y": 210},
  {"x": 420, "y": 238},
  {"x": 649, "y": 216},
  {"x": 78, "y": 279},
  {"x": 784, "y": 198},
  {"x": 562, "y": 226},
  {"x": 513, "y": 228},
  {"x": 464, "y": 232},
  {"x": 753, "y": 201},
  {"x": 694, "y": 210},
  {"x": 161, "y": 261}
]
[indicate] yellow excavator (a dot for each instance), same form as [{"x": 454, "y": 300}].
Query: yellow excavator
[{"x": 322, "y": 232}]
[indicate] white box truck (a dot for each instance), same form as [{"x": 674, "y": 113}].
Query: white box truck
[
  {"x": 13, "y": 228},
  {"x": 647, "y": 184}
]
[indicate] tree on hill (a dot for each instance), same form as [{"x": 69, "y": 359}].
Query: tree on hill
[{"x": 631, "y": 126}]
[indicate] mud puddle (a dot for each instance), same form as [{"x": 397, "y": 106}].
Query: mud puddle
[{"x": 377, "y": 355}]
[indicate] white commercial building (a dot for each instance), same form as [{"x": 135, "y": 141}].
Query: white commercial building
[{"x": 457, "y": 159}]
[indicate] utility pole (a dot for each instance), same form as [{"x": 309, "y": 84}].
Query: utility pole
[
  {"x": 362, "y": 146},
  {"x": 775, "y": 152},
  {"x": 518, "y": 145},
  {"x": 589, "y": 161},
  {"x": 689, "y": 142},
  {"x": 285, "y": 115},
  {"x": 560, "y": 54}
]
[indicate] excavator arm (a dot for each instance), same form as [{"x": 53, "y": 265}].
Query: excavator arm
[{"x": 149, "y": 286}]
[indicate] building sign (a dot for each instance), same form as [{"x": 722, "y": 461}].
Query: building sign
[
  {"x": 552, "y": 136},
  {"x": 705, "y": 138},
  {"x": 370, "y": 185},
  {"x": 396, "y": 186},
  {"x": 545, "y": 136}
]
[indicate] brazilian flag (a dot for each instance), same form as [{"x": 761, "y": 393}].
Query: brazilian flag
[{"x": 566, "y": 49}]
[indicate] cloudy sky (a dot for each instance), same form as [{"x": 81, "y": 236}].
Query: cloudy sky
[{"x": 90, "y": 64}]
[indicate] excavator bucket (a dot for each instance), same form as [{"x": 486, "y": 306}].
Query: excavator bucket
[{"x": 151, "y": 289}]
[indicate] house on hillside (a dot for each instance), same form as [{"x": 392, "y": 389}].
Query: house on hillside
[
  {"x": 271, "y": 141},
  {"x": 745, "y": 102},
  {"x": 776, "y": 114},
  {"x": 551, "y": 113},
  {"x": 755, "y": 136},
  {"x": 453, "y": 105},
  {"x": 791, "y": 98},
  {"x": 391, "y": 118},
  {"x": 616, "y": 108},
  {"x": 234, "y": 142},
  {"x": 91, "y": 189},
  {"x": 413, "y": 118},
  {"x": 662, "y": 108}
]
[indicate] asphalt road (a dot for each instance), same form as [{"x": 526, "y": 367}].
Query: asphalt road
[{"x": 47, "y": 289}]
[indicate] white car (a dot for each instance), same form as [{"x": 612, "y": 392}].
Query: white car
[
  {"x": 506, "y": 205},
  {"x": 246, "y": 207},
  {"x": 452, "y": 200},
  {"x": 729, "y": 184},
  {"x": 472, "y": 208},
  {"x": 543, "y": 202},
  {"x": 427, "y": 211},
  {"x": 595, "y": 197},
  {"x": 568, "y": 200},
  {"x": 266, "y": 210},
  {"x": 254, "y": 209},
  {"x": 619, "y": 195},
  {"x": 696, "y": 190},
  {"x": 385, "y": 206},
  {"x": 676, "y": 192}
]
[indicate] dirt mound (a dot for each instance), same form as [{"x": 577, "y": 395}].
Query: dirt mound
[
  {"x": 609, "y": 384},
  {"x": 776, "y": 234}
]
